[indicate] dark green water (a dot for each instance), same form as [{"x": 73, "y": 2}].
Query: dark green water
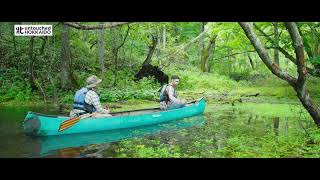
[{"x": 13, "y": 141}]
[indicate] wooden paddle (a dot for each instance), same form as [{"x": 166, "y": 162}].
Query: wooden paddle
[
  {"x": 70, "y": 122},
  {"x": 193, "y": 101}
]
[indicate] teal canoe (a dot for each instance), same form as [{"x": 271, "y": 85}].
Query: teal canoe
[{"x": 36, "y": 124}]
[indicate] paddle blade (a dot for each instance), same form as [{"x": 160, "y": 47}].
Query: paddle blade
[{"x": 68, "y": 123}]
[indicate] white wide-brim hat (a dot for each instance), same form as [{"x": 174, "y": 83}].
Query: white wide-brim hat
[{"x": 93, "y": 81}]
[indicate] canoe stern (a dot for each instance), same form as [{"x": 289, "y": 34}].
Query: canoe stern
[{"x": 31, "y": 124}]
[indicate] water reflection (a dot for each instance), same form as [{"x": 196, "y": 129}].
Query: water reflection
[
  {"x": 14, "y": 143},
  {"x": 241, "y": 124},
  {"x": 65, "y": 145}
]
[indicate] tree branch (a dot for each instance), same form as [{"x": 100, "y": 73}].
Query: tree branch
[
  {"x": 124, "y": 38},
  {"x": 44, "y": 41},
  {"x": 77, "y": 25},
  {"x": 234, "y": 54},
  {"x": 311, "y": 71},
  {"x": 283, "y": 51},
  {"x": 262, "y": 52},
  {"x": 184, "y": 46},
  {"x": 152, "y": 47},
  {"x": 299, "y": 50},
  {"x": 297, "y": 84},
  {"x": 96, "y": 42}
]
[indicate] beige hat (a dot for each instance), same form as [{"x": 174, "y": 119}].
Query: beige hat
[{"x": 93, "y": 81}]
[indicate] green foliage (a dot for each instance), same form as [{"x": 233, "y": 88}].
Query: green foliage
[
  {"x": 157, "y": 150},
  {"x": 67, "y": 98},
  {"x": 194, "y": 79},
  {"x": 17, "y": 90},
  {"x": 315, "y": 60},
  {"x": 230, "y": 70},
  {"x": 143, "y": 89}
]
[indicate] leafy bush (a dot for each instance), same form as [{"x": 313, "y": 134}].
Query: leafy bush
[
  {"x": 15, "y": 91},
  {"x": 67, "y": 97},
  {"x": 143, "y": 89},
  {"x": 194, "y": 79}
]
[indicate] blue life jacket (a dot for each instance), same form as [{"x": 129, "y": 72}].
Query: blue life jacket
[
  {"x": 164, "y": 93},
  {"x": 79, "y": 101}
]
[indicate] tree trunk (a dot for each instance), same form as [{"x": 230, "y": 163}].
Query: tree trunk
[
  {"x": 30, "y": 63},
  {"x": 115, "y": 68},
  {"x": 276, "y": 121},
  {"x": 114, "y": 56},
  {"x": 229, "y": 61},
  {"x": 276, "y": 37},
  {"x": 65, "y": 59},
  {"x": 315, "y": 47},
  {"x": 152, "y": 47},
  {"x": 314, "y": 72},
  {"x": 308, "y": 104},
  {"x": 14, "y": 40},
  {"x": 250, "y": 60},
  {"x": 206, "y": 54},
  {"x": 211, "y": 53},
  {"x": 158, "y": 51},
  {"x": 164, "y": 37},
  {"x": 52, "y": 60},
  {"x": 115, "y": 49},
  {"x": 297, "y": 83},
  {"x": 201, "y": 41},
  {"x": 1, "y": 30},
  {"x": 159, "y": 36},
  {"x": 101, "y": 49},
  {"x": 175, "y": 31}
]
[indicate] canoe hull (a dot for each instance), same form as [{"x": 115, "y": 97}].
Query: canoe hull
[{"x": 38, "y": 125}]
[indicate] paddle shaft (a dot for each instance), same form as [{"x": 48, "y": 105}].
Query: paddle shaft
[{"x": 147, "y": 108}]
